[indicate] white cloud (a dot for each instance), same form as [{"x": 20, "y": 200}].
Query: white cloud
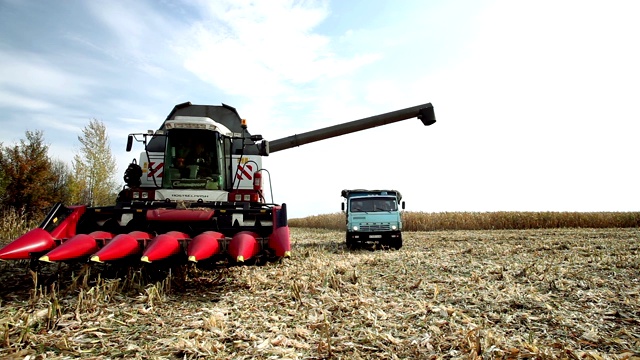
[
  {"x": 263, "y": 49},
  {"x": 28, "y": 74},
  {"x": 10, "y": 99},
  {"x": 141, "y": 34}
]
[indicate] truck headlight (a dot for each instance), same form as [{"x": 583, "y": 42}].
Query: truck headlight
[
  {"x": 393, "y": 227},
  {"x": 355, "y": 228}
]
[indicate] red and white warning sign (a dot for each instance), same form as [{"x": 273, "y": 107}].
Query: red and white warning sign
[
  {"x": 155, "y": 169},
  {"x": 244, "y": 172}
]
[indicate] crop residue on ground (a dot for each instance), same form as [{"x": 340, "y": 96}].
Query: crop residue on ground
[{"x": 553, "y": 293}]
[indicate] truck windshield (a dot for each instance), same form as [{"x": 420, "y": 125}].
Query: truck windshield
[{"x": 373, "y": 204}]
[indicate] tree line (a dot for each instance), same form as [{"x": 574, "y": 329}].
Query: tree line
[{"x": 31, "y": 181}]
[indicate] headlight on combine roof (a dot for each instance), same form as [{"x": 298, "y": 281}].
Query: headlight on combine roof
[
  {"x": 145, "y": 195},
  {"x": 136, "y": 195}
]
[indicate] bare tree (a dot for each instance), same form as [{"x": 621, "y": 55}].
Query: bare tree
[{"x": 93, "y": 181}]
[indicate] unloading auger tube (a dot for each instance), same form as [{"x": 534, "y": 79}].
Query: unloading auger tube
[
  {"x": 202, "y": 213},
  {"x": 423, "y": 112}
]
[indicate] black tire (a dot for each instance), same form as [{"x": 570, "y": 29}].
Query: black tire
[
  {"x": 350, "y": 243},
  {"x": 396, "y": 243}
]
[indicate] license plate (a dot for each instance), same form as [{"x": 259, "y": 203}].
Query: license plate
[{"x": 375, "y": 236}]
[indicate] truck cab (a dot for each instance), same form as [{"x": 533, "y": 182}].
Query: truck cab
[{"x": 373, "y": 216}]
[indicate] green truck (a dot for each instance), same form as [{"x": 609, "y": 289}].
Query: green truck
[{"x": 373, "y": 216}]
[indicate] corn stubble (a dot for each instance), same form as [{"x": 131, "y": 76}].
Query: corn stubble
[{"x": 492, "y": 294}]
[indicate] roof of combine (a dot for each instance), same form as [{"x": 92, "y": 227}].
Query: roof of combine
[
  {"x": 223, "y": 114},
  {"x": 363, "y": 192}
]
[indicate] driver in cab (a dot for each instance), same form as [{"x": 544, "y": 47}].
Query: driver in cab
[{"x": 202, "y": 158}]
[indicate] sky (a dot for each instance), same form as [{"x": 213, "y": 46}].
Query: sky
[{"x": 536, "y": 101}]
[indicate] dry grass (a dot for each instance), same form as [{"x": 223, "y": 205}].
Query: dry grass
[
  {"x": 14, "y": 223},
  {"x": 497, "y": 294}
]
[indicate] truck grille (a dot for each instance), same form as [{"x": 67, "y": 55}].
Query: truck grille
[{"x": 379, "y": 227}]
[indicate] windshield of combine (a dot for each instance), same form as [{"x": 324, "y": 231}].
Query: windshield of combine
[
  {"x": 193, "y": 159},
  {"x": 372, "y": 204}
]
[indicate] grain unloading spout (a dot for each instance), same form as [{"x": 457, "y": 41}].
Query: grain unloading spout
[{"x": 423, "y": 112}]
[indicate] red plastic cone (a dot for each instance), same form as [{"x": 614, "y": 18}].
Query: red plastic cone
[
  {"x": 163, "y": 246},
  {"x": 37, "y": 240},
  {"x": 204, "y": 246},
  {"x": 78, "y": 246},
  {"x": 243, "y": 246},
  {"x": 280, "y": 241},
  {"x": 121, "y": 246}
]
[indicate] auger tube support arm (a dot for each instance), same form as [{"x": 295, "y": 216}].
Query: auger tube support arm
[{"x": 423, "y": 112}]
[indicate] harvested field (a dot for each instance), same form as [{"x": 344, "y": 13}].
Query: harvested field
[{"x": 495, "y": 294}]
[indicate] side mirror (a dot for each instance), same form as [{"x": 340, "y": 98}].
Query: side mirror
[
  {"x": 129, "y": 142},
  {"x": 403, "y": 205},
  {"x": 342, "y": 206}
]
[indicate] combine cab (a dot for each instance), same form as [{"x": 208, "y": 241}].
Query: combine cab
[{"x": 195, "y": 195}]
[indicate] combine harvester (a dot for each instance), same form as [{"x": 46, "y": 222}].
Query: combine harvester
[{"x": 198, "y": 196}]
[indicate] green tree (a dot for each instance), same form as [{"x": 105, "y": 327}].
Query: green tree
[
  {"x": 27, "y": 174},
  {"x": 93, "y": 180}
]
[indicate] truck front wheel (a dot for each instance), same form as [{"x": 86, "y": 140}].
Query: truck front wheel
[
  {"x": 350, "y": 242},
  {"x": 396, "y": 243}
]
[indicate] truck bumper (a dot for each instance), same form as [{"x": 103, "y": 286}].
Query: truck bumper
[{"x": 390, "y": 238}]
